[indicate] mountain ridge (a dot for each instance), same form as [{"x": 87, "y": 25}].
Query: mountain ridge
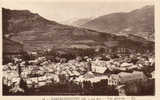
[
  {"x": 139, "y": 22},
  {"x": 36, "y": 32}
]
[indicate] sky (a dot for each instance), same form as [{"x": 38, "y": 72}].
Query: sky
[{"x": 64, "y": 10}]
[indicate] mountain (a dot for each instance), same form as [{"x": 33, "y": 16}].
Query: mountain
[
  {"x": 80, "y": 22},
  {"x": 139, "y": 22},
  {"x": 69, "y": 21},
  {"x": 76, "y": 21},
  {"x": 36, "y": 32}
]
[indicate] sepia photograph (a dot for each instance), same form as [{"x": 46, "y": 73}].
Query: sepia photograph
[{"x": 100, "y": 48}]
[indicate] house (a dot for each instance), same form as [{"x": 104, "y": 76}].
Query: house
[
  {"x": 92, "y": 77},
  {"x": 113, "y": 79},
  {"x": 98, "y": 69},
  {"x": 98, "y": 66},
  {"x": 42, "y": 81},
  {"x": 121, "y": 90},
  {"x": 29, "y": 82}
]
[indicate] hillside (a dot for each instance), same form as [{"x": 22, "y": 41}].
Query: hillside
[
  {"x": 36, "y": 32},
  {"x": 139, "y": 22},
  {"x": 80, "y": 22}
]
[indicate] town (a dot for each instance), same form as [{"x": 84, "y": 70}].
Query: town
[
  {"x": 78, "y": 48},
  {"x": 99, "y": 74}
]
